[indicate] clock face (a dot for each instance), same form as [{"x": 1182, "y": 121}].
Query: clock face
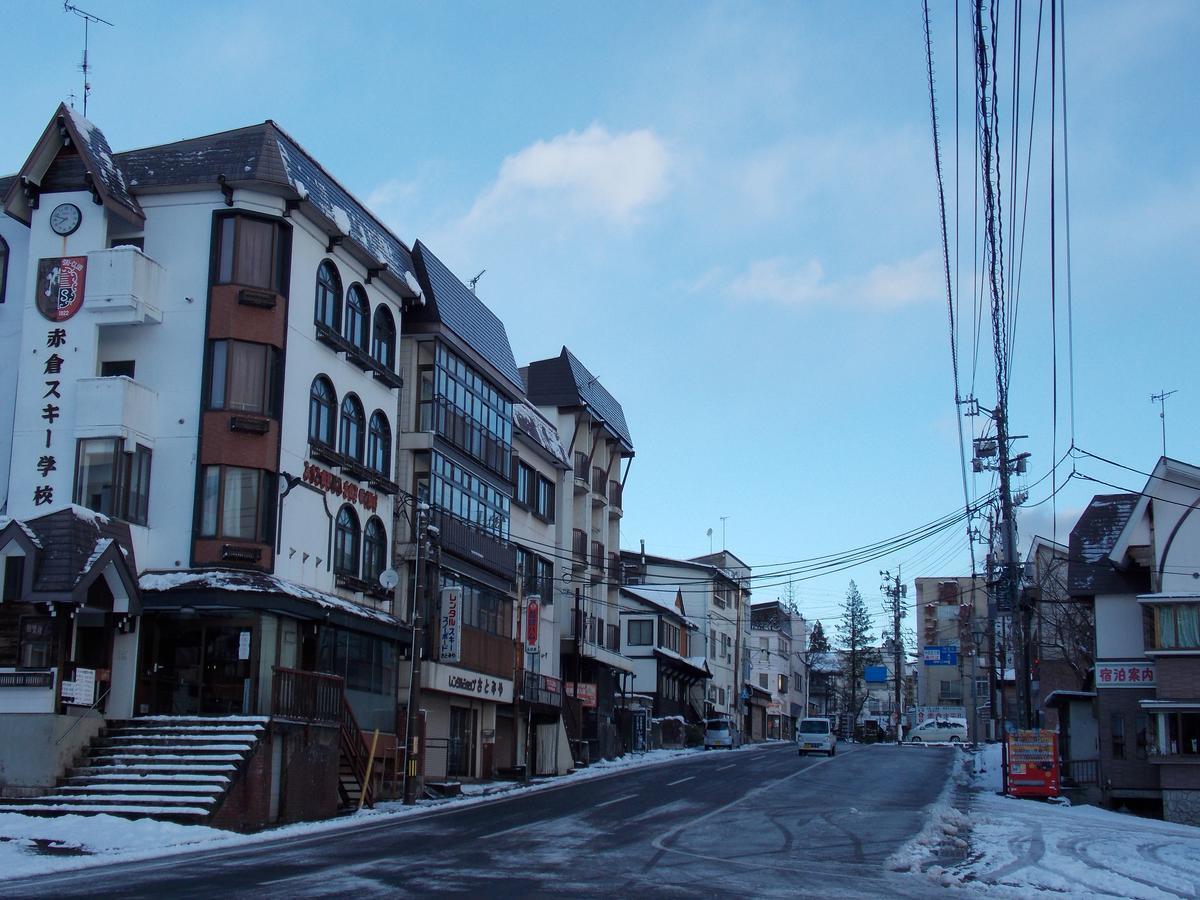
[{"x": 65, "y": 218}]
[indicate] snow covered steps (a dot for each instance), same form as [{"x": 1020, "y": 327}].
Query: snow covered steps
[{"x": 162, "y": 767}]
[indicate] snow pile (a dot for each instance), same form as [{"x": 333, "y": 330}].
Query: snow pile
[{"x": 946, "y": 828}]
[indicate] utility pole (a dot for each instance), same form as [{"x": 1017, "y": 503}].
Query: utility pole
[
  {"x": 412, "y": 738},
  {"x": 1161, "y": 399},
  {"x": 895, "y": 591}
]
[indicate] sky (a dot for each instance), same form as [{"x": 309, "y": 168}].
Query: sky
[{"x": 729, "y": 213}]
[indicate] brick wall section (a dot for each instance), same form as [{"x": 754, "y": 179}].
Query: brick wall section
[
  {"x": 247, "y": 805},
  {"x": 1129, "y": 773},
  {"x": 1177, "y": 677}
]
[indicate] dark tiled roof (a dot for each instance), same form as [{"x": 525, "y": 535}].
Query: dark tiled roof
[
  {"x": 5, "y": 183},
  {"x": 452, "y": 303},
  {"x": 70, "y": 538},
  {"x": 1089, "y": 571},
  {"x": 565, "y": 381},
  {"x": 102, "y": 165}
]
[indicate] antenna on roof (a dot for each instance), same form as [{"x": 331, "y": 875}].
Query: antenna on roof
[
  {"x": 88, "y": 18},
  {"x": 474, "y": 281}
]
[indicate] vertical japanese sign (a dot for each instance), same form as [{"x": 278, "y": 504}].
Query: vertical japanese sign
[
  {"x": 533, "y": 617},
  {"x": 450, "y": 632},
  {"x": 60, "y": 287}
]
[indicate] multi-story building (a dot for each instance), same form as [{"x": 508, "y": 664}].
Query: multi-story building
[
  {"x": 777, "y": 636},
  {"x": 588, "y": 519},
  {"x": 457, "y": 461},
  {"x": 952, "y": 613},
  {"x": 203, "y": 337},
  {"x": 657, "y": 637}
]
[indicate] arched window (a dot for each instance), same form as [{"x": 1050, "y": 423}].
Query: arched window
[
  {"x": 322, "y": 401},
  {"x": 328, "y": 310},
  {"x": 346, "y": 537},
  {"x": 350, "y": 441},
  {"x": 4, "y": 271},
  {"x": 383, "y": 338},
  {"x": 374, "y": 550},
  {"x": 379, "y": 444},
  {"x": 357, "y": 312}
]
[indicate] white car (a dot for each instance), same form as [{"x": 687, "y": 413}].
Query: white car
[
  {"x": 816, "y": 736},
  {"x": 938, "y": 731},
  {"x": 719, "y": 733}
]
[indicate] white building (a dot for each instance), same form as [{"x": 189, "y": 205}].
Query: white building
[{"x": 777, "y": 643}]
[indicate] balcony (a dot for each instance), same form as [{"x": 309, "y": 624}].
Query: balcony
[
  {"x": 597, "y": 562},
  {"x": 580, "y": 464},
  {"x": 469, "y": 542},
  {"x": 116, "y": 406},
  {"x": 454, "y": 426},
  {"x": 614, "y": 497},
  {"x": 124, "y": 287},
  {"x": 579, "y": 548},
  {"x": 599, "y": 484}
]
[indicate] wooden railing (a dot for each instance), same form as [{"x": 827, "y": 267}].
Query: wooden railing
[
  {"x": 579, "y": 545},
  {"x": 306, "y": 696},
  {"x": 614, "y": 493},
  {"x": 599, "y": 481},
  {"x": 355, "y": 752},
  {"x": 580, "y": 466}
]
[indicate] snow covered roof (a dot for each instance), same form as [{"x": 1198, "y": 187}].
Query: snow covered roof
[
  {"x": 698, "y": 664},
  {"x": 827, "y": 662},
  {"x": 5, "y": 521},
  {"x": 1092, "y": 539},
  {"x": 532, "y": 423},
  {"x": 187, "y": 583},
  {"x": 660, "y": 596}
]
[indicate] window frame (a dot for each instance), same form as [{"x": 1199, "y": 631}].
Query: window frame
[
  {"x": 264, "y": 517},
  {"x": 279, "y": 257},
  {"x": 347, "y": 557},
  {"x": 645, "y": 629},
  {"x": 355, "y": 405},
  {"x": 543, "y": 498},
  {"x": 5, "y": 253},
  {"x": 363, "y": 316},
  {"x": 375, "y": 437},
  {"x": 221, "y": 360},
  {"x": 329, "y": 439},
  {"x": 386, "y": 359},
  {"x": 523, "y": 485},
  {"x": 130, "y": 479},
  {"x": 328, "y": 293}
]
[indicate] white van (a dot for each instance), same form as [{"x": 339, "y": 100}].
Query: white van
[
  {"x": 816, "y": 736},
  {"x": 719, "y": 732},
  {"x": 937, "y": 731}
]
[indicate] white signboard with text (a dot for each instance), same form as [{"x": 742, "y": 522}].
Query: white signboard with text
[
  {"x": 1131, "y": 674},
  {"x": 450, "y": 626}
]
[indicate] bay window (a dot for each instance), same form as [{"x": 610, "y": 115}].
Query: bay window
[
  {"x": 253, "y": 252},
  {"x": 236, "y": 503},
  {"x": 244, "y": 378},
  {"x": 111, "y": 480}
]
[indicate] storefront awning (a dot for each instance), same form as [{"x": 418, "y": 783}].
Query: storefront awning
[
  {"x": 682, "y": 665},
  {"x": 1061, "y": 698},
  {"x": 1169, "y": 705}
]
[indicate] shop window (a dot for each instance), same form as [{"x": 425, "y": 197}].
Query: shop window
[
  {"x": 379, "y": 444},
  {"x": 322, "y": 400},
  {"x": 641, "y": 632},
  {"x": 253, "y": 252},
  {"x": 383, "y": 338},
  {"x": 350, "y": 438},
  {"x": 327, "y": 310},
  {"x": 244, "y": 378},
  {"x": 237, "y": 503},
  {"x": 346, "y": 537},
  {"x": 374, "y": 550},
  {"x": 112, "y": 481},
  {"x": 358, "y": 311}
]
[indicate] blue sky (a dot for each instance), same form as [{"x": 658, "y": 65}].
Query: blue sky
[{"x": 728, "y": 212}]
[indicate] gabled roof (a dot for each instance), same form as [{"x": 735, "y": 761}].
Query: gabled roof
[
  {"x": 70, "y": 132},
  {"x": 1166, "y": 470},
  {"x": 453, "y": 304},
  {"x": 565, "y": 381},
  {"x": 1092, "y": 539},
  {"x": 663, "y": 597}
]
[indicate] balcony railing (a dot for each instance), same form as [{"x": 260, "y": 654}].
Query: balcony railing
[
  {"x": 115, "y": 405},
  {"x": 306, "y": 696},
  {"x": 579, "y": 545},
  {"x": 452, "y": 424},
  {"x": 614, "y": 567},
  {"x": 614, "y": 494},
  {"x": 1081, "y": 771},
  {"x": 580, "y": 465},
  {"x": 539, "y": 688},
  {"x": 538, "y": 587},
  {"x": 597, "y": 561},
  {"x": 612, "y": 638},
  {"x": 470, "y": 542},
  {"x": 124, "y": 287},
  {"x": 599, "y": 481}
]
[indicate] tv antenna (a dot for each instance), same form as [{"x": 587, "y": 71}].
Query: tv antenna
[
  {"x": 1161, "y": 399},
  {"x": 474, "y": 281},
  {"x": 88, "y": 19}
]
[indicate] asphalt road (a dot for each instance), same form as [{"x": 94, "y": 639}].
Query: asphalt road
[{"x": 754, "y": 823}]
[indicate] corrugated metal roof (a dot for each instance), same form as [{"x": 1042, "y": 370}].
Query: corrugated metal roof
[{"x": 452, "y": 303}]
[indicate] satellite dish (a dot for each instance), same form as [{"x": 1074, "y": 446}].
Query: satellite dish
[{"x": 389, "y": 579}]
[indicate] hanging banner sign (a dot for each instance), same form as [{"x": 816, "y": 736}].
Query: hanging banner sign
[
  {"x": 450, "y": 631},
  {"x": 60, "y": 286},
  {"x": 533, "y": 617}
]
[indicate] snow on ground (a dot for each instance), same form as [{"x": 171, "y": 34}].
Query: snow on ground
[
  {"x": 1023, "y": 848},
  {"x": 35, "y": 845}
]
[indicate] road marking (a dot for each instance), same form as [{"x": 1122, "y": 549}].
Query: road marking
[
  {"x": 680, "y": 781},
  {"x": 618, "y": 800},
  {"x": 723, "y": 768}
]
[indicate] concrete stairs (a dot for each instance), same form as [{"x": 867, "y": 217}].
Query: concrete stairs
[{"x": 171, "y": 768}]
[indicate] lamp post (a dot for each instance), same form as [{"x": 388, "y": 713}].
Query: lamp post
[{"x": 411, "y": 738}]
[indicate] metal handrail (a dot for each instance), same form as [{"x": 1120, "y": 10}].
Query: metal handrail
[{"x": 79, "y": 718}]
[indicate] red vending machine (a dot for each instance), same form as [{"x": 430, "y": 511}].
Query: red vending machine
[{"x": 1033, "y": 769}]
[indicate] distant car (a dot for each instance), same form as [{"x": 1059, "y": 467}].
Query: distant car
[
  {"x": 719, "y": 733},
  {"x": 816, "y": 736},
  {"x": 937, "y": 731}
]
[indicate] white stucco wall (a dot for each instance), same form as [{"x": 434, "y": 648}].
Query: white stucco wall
[{"x": 1118, "y": 627}]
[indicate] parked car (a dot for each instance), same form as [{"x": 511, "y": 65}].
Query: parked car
[
  {"x": 720, "y": 732},
  {"x": 935, "y": 731},
  {"x": 816, "y": 736}
]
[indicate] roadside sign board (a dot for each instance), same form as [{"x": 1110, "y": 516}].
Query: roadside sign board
[
  {"x": 1032, "y": 762},
  {"x": 875, "y": 674},
  {"x": 940, "y": 656}
]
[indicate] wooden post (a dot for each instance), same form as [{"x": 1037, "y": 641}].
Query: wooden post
[{"x": 362, "y": 795}]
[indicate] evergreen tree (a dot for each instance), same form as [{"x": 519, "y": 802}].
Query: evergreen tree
[
  {"x": 817, "y": 642},
  {"x": 854, "y": 634}
]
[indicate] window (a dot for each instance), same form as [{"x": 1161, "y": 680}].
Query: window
[
  {"x": 462, "y": 493},
  {"x": 14, "y": 578},
  {"x": 350, "y": 440},
  {"x": 244, "y": 377},
  {"x": 346, "y": 537},
  {"x": 712, "y": 642},
  {"x": 37, "y": 642},
  {"x": 669, "y": 635},
  {"x": 3, "y": 267},
  {"x": 1118, "y": 735},
  {"x": 484, "y": 608},
  {"x": 383, "y": 338},
  {"x": 253, "y": 252},
  {"x": 374, "y": 550},
  {"x": 543, "y": 574},
  {"x": 782, "y": 687},
  {"x": 544, "y": 502},
  {"x": 641, "y": 632},
  {"x": 357, "y": 313},
  {"x": 1183, "y": 733},
  {"x": 721, "y": 696},
  {"x": 762, "y": 679},
  {"x": 112, "y": 481},
  {"x": 1141, "y": 735},
  {"x": 525, "y": 482},
  {"x": 116, "y": 367},
  {"x": 468, "y": 411},
  {"x": 1177, "y": 626},
  {"x": 366, "y": 663},
  {"x": 379, "y": 444},
  {"x": 328, "y": 308},
  {"x": 321, "y": 402},
  {"x": 237, "y": 503}
]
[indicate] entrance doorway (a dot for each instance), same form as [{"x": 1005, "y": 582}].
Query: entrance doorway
[
  {"x": 203, "y": 668},
  {"x": 460, "y": 751}
]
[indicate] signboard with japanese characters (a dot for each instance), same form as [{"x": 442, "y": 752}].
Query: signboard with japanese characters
[
  {"x": 81, "y": 691},
  {"x": 533, "y": 617},
  {"x": 583, "y": 691},
  {"x": 326, "y": 482},
  {"x": 60, "y": 286},
  {"x": 450, "y": 626},
  {"x": 466, "y": 683},
  {"x": 1125, "y": 674},
  {"x": 940, "y": 656}
]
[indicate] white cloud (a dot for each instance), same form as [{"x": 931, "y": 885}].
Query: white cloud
[
  {"x": 592, "y": 174},
  {"x": 885, "y": 286}
]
